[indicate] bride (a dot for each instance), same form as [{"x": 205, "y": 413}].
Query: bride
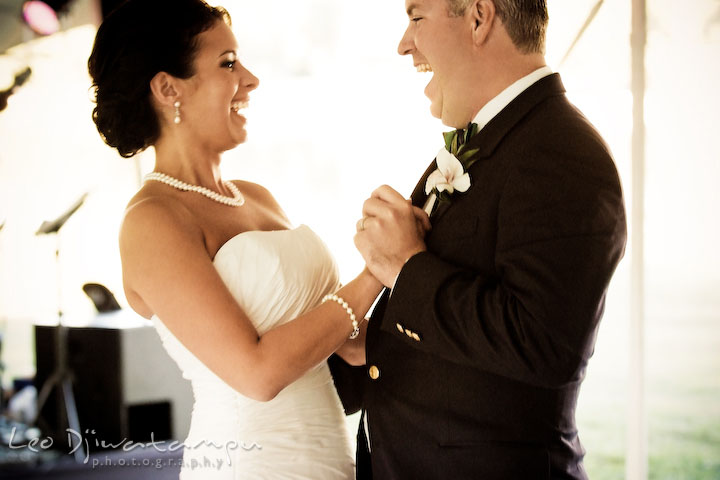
[{"x": 248, "y": 307}]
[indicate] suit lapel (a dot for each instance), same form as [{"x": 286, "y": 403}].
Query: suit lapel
[
  {"x": 419, "y": 196},
  {"x": 487, "y": 140}
]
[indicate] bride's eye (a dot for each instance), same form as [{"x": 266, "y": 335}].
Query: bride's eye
[{"x": 230, "y": 64}]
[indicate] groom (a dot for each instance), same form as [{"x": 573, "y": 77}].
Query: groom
[{"x": 477, "y": 349}]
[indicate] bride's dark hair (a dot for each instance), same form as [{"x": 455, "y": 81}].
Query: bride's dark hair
[{"x": 136, "y": 41}]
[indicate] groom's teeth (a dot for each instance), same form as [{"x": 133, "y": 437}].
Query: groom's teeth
[{"x": 424, "y": 67}]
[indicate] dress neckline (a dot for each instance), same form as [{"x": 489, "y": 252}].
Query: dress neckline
[{"x": 255, "y": 232}]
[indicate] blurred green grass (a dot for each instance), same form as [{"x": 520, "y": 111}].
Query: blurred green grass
[{"x": 682, "y": 398}]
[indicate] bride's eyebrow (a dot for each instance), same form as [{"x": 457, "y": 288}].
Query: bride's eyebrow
[{"x": 226, "y": 52}]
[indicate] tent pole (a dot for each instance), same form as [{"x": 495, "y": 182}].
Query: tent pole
[{"x": 636, "y": 462}]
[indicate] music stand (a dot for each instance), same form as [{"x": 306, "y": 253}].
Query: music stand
[
  {"x": 62, "y": 377},
  {"x": 20, "y": 78},
  {"x": 102, "y": 298}
]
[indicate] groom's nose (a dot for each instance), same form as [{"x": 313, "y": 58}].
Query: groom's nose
[{"x": 406, "y": 45}]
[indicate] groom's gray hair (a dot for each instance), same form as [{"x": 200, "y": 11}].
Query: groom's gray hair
[{"x": 525, "y": 21}]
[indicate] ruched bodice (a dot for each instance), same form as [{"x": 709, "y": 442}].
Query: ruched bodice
[{"x": 275, "y": 276}]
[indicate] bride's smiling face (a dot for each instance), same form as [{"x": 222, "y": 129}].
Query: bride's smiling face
[{"x": 215, "y": 96}]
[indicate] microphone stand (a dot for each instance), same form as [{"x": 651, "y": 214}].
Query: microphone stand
[{"x": 62, "y": 377}]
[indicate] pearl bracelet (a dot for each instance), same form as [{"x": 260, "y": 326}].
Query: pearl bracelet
[{"x": 344, "y": 304}]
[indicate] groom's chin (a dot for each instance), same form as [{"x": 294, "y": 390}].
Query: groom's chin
[{"x": 437, "y": 113}]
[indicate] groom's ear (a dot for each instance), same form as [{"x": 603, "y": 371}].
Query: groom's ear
[{"x": 482, "y": 15}]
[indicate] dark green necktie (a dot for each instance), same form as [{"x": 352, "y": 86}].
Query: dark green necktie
[{"x": 457, "y": 138}]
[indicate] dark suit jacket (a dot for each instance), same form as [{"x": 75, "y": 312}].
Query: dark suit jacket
[{"x": 483, "y": 344}]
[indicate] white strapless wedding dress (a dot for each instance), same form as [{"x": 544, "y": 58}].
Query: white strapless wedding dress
[{"x": 300, "y": 434}]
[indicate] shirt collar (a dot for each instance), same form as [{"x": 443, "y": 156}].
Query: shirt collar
[{"x": 497, "y": 104}]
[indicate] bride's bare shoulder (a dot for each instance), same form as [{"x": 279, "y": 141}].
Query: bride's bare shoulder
[
  {"x": 152, "y": 215},
  {"x": 155, "y": 229}
]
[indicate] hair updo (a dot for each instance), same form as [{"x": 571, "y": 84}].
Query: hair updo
[{"x": 135, "y": 42}]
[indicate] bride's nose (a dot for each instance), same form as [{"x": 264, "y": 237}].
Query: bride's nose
[{"x": 248, "y": 80}]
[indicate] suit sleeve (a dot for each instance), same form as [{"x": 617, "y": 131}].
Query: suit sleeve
[
  {"x": 561, "y": 233},
  {"x": 349, "y": 382}
]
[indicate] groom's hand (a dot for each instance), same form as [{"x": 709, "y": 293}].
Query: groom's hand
[{"x": 391, "y": 231}]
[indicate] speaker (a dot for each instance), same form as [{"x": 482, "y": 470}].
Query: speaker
[{"x": 126, "y": 387}]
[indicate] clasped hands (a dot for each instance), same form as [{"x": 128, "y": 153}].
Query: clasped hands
[{"x": 390, "y": 232}]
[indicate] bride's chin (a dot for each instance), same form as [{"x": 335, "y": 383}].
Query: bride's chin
[{"x": 239, "y": 138}]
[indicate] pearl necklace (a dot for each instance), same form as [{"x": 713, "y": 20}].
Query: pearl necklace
[{"x": 237, "y": 199}]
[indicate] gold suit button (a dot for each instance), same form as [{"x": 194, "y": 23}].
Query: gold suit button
[
  {"x": 374, "y": 372},
  {"x": 408, "y": 333},
  {"x": 400, "y": 328},
  {"x": 416, "y": 337}
]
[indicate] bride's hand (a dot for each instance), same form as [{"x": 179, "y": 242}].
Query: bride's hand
[{"x": 366, "y": 273}]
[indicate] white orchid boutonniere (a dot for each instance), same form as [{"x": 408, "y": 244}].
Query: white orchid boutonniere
[
  {"x": 449, "y": 176},
  {"x": 452, "y": 162}
]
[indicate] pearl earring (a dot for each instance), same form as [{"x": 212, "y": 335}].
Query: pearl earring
[{"x": 177, "y": 112}]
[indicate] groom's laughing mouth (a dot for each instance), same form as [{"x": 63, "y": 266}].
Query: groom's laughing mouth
[{"x": 432, "y": 89}]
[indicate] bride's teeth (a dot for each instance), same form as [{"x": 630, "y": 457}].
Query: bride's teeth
[
  {"x": 237, "y": 106},
  {"x": 424, "y": 67}
]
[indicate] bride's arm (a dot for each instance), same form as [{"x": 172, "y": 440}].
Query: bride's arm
[
  {"x": 353, "y": 350},
  {"x": 167, "y": 272}
]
